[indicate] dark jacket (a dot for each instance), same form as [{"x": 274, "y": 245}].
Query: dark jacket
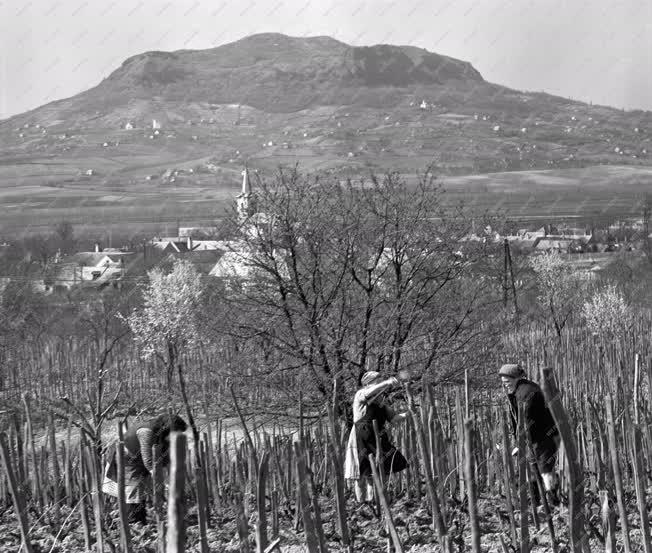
[{"x": 540, "y": 425}]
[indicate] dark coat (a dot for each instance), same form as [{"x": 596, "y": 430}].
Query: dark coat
[
  {"x": 540, "y": 425},
  {"x": 392, "y": 459}
]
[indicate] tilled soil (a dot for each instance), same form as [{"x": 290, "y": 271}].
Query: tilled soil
[{"x": 412, "y": 520}]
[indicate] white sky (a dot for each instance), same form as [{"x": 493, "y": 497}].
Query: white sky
[{"x": 591, "y": 50}]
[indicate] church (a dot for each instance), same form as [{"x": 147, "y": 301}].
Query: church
[{"x": 239, "y": 260}]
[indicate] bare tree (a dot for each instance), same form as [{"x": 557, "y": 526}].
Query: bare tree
[
  {"x": 342, "y": 276},
  {"x": 99, "y": 330}
]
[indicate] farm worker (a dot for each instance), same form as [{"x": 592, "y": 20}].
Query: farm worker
[
  {"x": 369, "y": 405},
  {"x": 138, "y": 466},
  {"x": 542, "y": 431}
]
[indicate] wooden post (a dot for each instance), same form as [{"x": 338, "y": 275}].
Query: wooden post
[
  {"x": 639, "y": 482},
  {"x": 336, "y": 459},
  {"x": 438, "y": 520},
  {"x": 176, "y": 530},
  {"x": 522, "y": 482},
  {"x": 84, "y": 491},
  {"x": 578, "y": 538},
  {"x": 319, "y": 526},
  {"x": 56, "y": 474},
  {"x": 508, "y": 479},
  {"x": 608, "y": 523},
  {"x": 302, "y": 487},
  {"x": 125, "y": 536},
  {"x": 471, "y": 487},
  {"x": 32, "y": 447},
  {"x": 261, "y": 523},
  {"x": 398, "y": 547},
  {"x": 618, "y": 479},
  {"x": 158, "y": 497},
  {"x": 17, "y": 495},
  {"x": 90, "y": 453},
  {"x": 202, "y": 497}
]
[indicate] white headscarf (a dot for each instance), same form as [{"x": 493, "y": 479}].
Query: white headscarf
[{"x": 369, "y": 378}]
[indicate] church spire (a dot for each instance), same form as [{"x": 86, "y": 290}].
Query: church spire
[
  {"x": 246, "y": 183},
  {"x": 246, "y": 200}
]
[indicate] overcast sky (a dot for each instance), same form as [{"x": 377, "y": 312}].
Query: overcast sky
[{"x": 591, "y": 50}]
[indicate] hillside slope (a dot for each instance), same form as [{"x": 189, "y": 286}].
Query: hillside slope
[{"x": 271, "y": 99}]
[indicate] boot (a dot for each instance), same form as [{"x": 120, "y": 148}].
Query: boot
[{"x": 136, "y": 513}]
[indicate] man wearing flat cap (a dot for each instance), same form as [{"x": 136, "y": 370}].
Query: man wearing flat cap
[{"x": 540, "y": 426}]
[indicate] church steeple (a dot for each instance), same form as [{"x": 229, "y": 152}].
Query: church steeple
[
  {"x": 246, "y": 184},
  {"x": 245, "y": 200}
]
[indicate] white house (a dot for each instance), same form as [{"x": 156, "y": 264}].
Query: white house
[
  {"x": 240, "y": 263},
  {"x": 100, "y": 266}
]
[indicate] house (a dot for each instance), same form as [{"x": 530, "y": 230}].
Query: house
[
  {"x": 171, "y": 244},
  {"x": 549, "y": 244},
  {"x": 203, "y": 260},
  {"x": 98, "y": 267},
  {"x": 234, "y": 264},
  {"x": 575, "y": 233},
  {"x": 240, "y": 264},
  {"x": 156, "y": 124},
  {"x": 129, "y": 126},
  {"x": 205, "y": 245}
]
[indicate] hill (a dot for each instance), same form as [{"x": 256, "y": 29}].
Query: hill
[{"x": 272, "y": 99}]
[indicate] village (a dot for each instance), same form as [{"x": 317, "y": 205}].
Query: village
[{"x": 588, "y": 250}]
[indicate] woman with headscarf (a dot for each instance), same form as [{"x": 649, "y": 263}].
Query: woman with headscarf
[
  {"x": 138, "y": 463},
  {"x": 368, "y": 406}
]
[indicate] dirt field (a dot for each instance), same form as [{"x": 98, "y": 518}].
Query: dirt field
[{"x": 34, "y": 199}]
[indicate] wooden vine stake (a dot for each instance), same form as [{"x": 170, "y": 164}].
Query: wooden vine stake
[
  {"x": 176, "y": 530},
  {"x": 261, "y": 523},
  {"x": 158, "y": 498},
  {"x": 438, "y": 519},
  {"x": 608, "y": 523},
  {"x": 618, "y": 479},
  {"x": 522, "y": 483},
  {"x": 303, "y": 486},
  {"x": 16, "y": 494},
  {"x": 578, "y": 537},
  {"x": 337, "y": 462},
  {"x": 125, "y": 537},
  {"x": 471, "y": 491},
  {"x": 382, "y": 499}
]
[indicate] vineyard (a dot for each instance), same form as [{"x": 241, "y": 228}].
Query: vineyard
[
  {"x": 246, "y": 486},
  {"x": 264, "y": 369}
]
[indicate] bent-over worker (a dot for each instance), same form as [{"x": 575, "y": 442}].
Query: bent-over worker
[{"x": 138, "y": 465}]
